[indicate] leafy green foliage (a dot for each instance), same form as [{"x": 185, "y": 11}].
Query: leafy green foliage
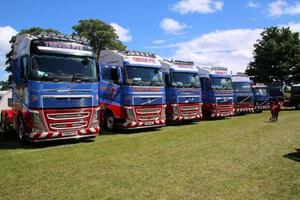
[
  {"x": 101, "y": 35},
  {"x": 276, "y": 57}
]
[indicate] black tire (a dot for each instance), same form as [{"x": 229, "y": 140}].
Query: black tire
[
  {"x": 297, "y": 106},
  {"x": 21, "y": 131},
  {"x": 109, "y": 121},
  {"x": 2, "y": 124}
]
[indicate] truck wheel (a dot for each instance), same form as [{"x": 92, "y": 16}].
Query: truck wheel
[
  {"x": 297, "y": 106},
  {"x": 110, "y": 121},
  {"x": 4, "y": 124},
  {"x": 21, "y": 131}
]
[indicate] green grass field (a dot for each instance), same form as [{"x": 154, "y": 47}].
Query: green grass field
[{"x": 238, "y": 158}]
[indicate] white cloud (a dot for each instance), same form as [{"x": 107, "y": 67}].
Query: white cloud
[
  {"x": 281, "y": 7},
  {"x": 6, "y": 32},
  {"x": 158, "y": 41},
  {"x": 172, "y": 26},
  {"x": 294, "y": 26},
  {"x": 197, "y": 6},
  {"x": 229, "y": 48},
  {"x": 252, "y": 4},
  {"x": 123, "y": 33}
]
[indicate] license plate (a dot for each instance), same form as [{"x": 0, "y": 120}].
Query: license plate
[
  {"x": 149, "y": 123},
  {"x": 69, "y": 133}
]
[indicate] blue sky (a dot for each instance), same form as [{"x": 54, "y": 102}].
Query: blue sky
[{"x": 209, "y": 32}]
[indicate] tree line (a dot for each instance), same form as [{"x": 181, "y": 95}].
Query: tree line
[{"x": 276, "y": 55}]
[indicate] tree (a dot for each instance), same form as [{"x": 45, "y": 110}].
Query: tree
[
  {"x": 9, "y": 55},
  {"x": 101, "y": 35},
  {"x": 276, "y": 57}
]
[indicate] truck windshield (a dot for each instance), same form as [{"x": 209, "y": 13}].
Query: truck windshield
[
  {"x": 63, "y": 68},
  {"x": 242, "y": 86},
  {"x": 185, "y": 79},
  {"x": 143, "y": 76},
  {"x": 260, "y": 91},
  {"x": 221, "y": 84}
]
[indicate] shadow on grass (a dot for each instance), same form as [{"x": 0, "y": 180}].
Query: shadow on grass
[
  {"x": 132, "y": 131},
  {"x": 9, "y": 141},
  {"x": 295, "y": 156}
]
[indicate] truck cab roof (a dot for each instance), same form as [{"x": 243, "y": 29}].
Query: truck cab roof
[
  {"x": 130, "y": 58},
  {"x": 179, "y": 66},
  {"x": 208, "y": 72}
]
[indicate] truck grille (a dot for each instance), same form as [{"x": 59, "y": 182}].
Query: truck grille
[
  {"x": 73, "y": 125},
  {"x": 66, "y": 116},
  {"x": 146, "y": 114},
  {"x": 67, "y": 119},
  {"x": 225, "y": 108},
  {"x": 189, "y": 110}
]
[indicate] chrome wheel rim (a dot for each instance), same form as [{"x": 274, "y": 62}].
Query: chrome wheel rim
[{"x": 110, "y": 122}]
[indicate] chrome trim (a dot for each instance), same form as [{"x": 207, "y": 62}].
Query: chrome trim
[
  {"x": 87, "y": 114},
  {"x": 83, "y": 124}
]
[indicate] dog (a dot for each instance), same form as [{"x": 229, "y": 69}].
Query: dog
[{"x": 275, "y": 109}]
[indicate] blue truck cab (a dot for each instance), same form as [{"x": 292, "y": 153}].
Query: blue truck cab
[
  {"x": 132, "y": 90},
  {"x": 183, "y": 91},
  {"x": 55, "y": 88},
  {"x": 243, "y": 95},
  {"x": 217, "y": 93},
  {"x": 260, "y": 97}
]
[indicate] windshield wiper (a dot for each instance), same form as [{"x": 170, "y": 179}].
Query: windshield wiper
[
  {"x": 50, "y": 76},
  {"x": 77, "y": 77}
]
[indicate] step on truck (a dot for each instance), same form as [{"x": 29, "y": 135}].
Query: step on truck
[
  {"x": 260, "y": 97},
  {"x": 217, "y": 93},
  {"x": 243, "y": 96},
  {"x": 132, "y": 90},
  {"x": 55, "y": 88},
  {"x": 183, "y": 91},
  {"x": 6, "y": 111}
]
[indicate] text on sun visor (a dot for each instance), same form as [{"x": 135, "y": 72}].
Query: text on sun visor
[{"x": 66, "y": 45}]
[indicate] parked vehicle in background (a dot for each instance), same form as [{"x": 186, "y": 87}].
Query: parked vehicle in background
[
  {"x": 288, "y": 94},
  {"x": 275, "y": 92},
  {"x": 55, "y": 88},
  {"x": 260, "y": 97},
  {"x": 295, "y": 95},
  {"x": 132, "y": 90},
  {"x": 291, "y": 95},
  {"x": 217, "y": 93},
  {"x": 243, "y": 96},
  {"x": 183, "y": 91},
  {"x": 6, "y": 111}
]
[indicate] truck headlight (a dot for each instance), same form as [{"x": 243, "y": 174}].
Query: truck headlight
[
  {"x": 95, "y": 119},
  {"x": 175, "y": 109},
  {"x": 163, "y": 112},
  {"x": 130, "y": 113},
  {"x": 37, "y": 122}
]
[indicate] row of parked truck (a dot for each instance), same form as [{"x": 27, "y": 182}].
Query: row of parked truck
[{"x": 60, "y": 91}]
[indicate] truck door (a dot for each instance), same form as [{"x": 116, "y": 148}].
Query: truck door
[{"x": 110, "y": 81}]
